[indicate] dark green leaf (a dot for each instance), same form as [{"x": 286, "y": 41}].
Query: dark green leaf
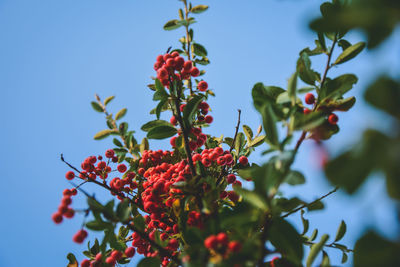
[
  {"x": 308, "y": 122},
  {"x": 123, "y": 210},
  {"x": 344, "y": 44},
  {"x": 139, "y": 222},
  {"x": 350, "y": 53},
  {"x": 117, "y": 142},
  {"x": 172, "y": 25},
  {"x": 344, "y": 257},
  {"x": 152, "y": 124},
  {"x": 315, "y": 249},
  {"x": 149, "y": 262},
  {"x": 198, "y": 9},
  {"x": 72, "y": 260},
  {"x": 96, "y": 106},
  {"x": 313, "y": 235},
  {"x": 341, "y": 104},
  {"x": 199, "y": 50},
  {"x": 264, "y": 94},
  {"x": 336, "y": 88},
  {"x": 161, "y": 132},
  {"x": 340, "y": 231},
  {"x": 108, "y": 100},
  {"x": 269, "y": 122},
  {"x": 253, "y": 198},
  {"x": 103, "y": 134},
  {"x": 306, "y": 74},
  {"x": 98, "y": 225},
  {"x": 120, "y": 114},
  {"x": 191, "y": 108},
  {"x": 292, "y": 87},
  {"x": 315, "y": 206},
  {"x": 160, "y": 93},
  {"x": 295, "y": 178}
]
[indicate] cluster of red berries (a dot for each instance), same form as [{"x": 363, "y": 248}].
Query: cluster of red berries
[
  {"x": 196, "y": 140},
  {"x": 310, "y": 99},
  {"x": 220, "y": 243},
  {"x": 111, "y": 260},
  {"x": 64, "y": 210},
  {"x": 80, "y": 236},
  {"x": 173, "y": 66}
]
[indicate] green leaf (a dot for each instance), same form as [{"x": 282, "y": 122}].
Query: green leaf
[
  {"x": 306, "y": 223},
  {"x": 313, "y": 235},
  {"x": 172, "y": 25},
  {"x": 257, "y": 141},
  {"x": 155, "y": 123},
  {"x": 292, "y": 87},
  {"x": 305, "y": 89},
  {"x": 337, "y": 87},
  {"x": 306, "y": 74},
  {"x": 325, "y": 260},
  {"x": 138, "y": 222},
  {"x": 199, "y": 9},
  {"x": 340, "y": 231},
  {"x": 190, "y": 109},
  {"x": 344, "y": 44},
  {"x": 253, "y": 198},
  {"x": 315, "y": 249},
  {"x": 96, "y": 106},
  {"x": 321, "y": 40},
  {"x": 108, "y": 100},
  {"x": 161, "y": 132},
  {"x": 248, "y": 132},
  {"x": 308, "y": 122},
  {"x": 199, "y": 50},
  {"x": 341, "y": 104},
  {"x": 117, "y": 142},
  {"x": 103, "y": 134},
  {"x": 295, "y": 178},
  {"x": 160, "y": 93},
  {"x": 149, "y": 262},
  {"x": 350, "y": 53},
  {"x": 374, "y": 250},
  {"x": 120, "y": 114},
  {"x": 123, "y": 210},
  {"x": 144, "y": 145},
  {"x": 72, "y": 262},
  {"x": 286, "y": 240},
  {"x": 264, "y": 94},
  {"x": 98, "y": 225},
  {"x": 315, "y": 206},
  {"x": 269, "y": 123},
  {"x": 344, "y": 257}
]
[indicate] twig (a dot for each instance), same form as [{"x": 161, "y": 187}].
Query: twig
[
  {"x": 310, "y": 204},
  {"x": 329, "y": 246},
  {"x": 188, "y": 45},
  {"x": 236, "y": 131}
]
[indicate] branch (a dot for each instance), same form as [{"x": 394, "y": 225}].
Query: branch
[
  {"x": 310, "y": 204},
  {"x": 188, "y": 45},
  {"x": 332, "y": 245}
]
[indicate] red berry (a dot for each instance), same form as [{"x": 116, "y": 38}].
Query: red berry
[
  {"x": 231, "y": 178},
  {"x": 121, "y": 168},
  {"x": 235, "y": 246},
  {"x": 222, "y": 239},
  {"x": 109, "y": 153},
  {"x": 70, "y": 175},
  {"x": 98, "y": 257},
  {"x": 66, "y": 200},
  {"x": 233, "y": 196},
  {"x": 160, "y": 58},
  {"x": 175, "y": 54},
  {"x": 211, "y": 242},
  {"x": 333, "y": 119},
  {"x": 130, "y": 252},
  {"x": 116, "y": 254},
  {"x": 173, "y": 243},
  {"x": 111, "y": 261},
  {"x": 173, "y": 120},
  {"x": 187, "y": 66},
  {"x": 243, "y": 160},
  {"x": 182, "y": 107},
  {"x": 172, "y": 141},
  {"x": 202, "y": 86},
  {"x": 310, "y": 98},
  {"x": 195, "y": 72},
  {"x": 57, "y": 217},
  {"x": 170, "y": 63},
  {"x": 69, "y": 213},
  {"x": 80, "y": 236},
  {"x": 306, "y": 111},
  {"x": 85, "y": 263},
  {"x": 208, "y": 119}
]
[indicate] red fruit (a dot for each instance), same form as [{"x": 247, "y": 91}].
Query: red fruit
[
  {"x": 202, "y": 86},
  {"x": 173, "y": 120},
  {"x": 67, "y": 192},
  {"x": 175, "y": 54},
  {"x": 235, "y": 246},
  {"x": 208, "y": 119},
  {"x": 66, "y": 200},
  {"x": 221, "y": 161},
  {"x": 69, "y": 213},
  {"x": 204, "y": 105},
  {"x": 172, "y": 141},
  {"x": 57, "y": 217},
  {"x": 237, "y": 183},
  {"x": 160, "y": 58},
  {"x": 223, "y": 194},
  {"x": 173, "y": 243},
  {"x": 211, "y": 242},
  {"x": 222, "y": 239},
  {"x": 70, "y": 175},
  {"x": 231, "y": 178},
  {"x": 182, "y": 107},
  {"x": 310, "y": 98},
  {"x": 306, "y": 111},
  {"x": 195, "y": 72},
  {"x": 243, "y": 160},
  {"x": 170, "y": 63},
  {"x": 109, "y": 153},
  {"x": 219, "y": 150},
  {"x": 179, "y": 61},
  {"x": 233, "y": 196},
  {"x": 111, "y": 261},
  {"x": 187, "y": 66},
  {"x": 74, "y": 191},
  {"x": 206, "y": 162},
  {"x": 333, "y": 119},
  {"x": 121, "y": 168},
  {"x": 85, "y": 263},
  {"x": 196, "y": 157},
  {"x": 116, "y": 254},
  {"x": 166, "y": 56},
  {"x": 130, "y": 252},
  {"x": 98, "y": 257},
  {"x": 162, "y": 73},
  {"x": 80, "y": 236}
]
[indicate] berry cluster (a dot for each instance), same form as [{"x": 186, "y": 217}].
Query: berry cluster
[
  {"x": 174, "y": 66},
  {"x": 111, "y": 260},
  {"x": 310, "y": 100},
  {"x": 220, "y": 244},
  {"x": 64, "y": 209}
]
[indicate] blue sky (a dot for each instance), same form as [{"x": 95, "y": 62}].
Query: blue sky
[{"x": 55, "y": 55}]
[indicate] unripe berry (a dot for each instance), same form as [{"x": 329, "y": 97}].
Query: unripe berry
[
  {"x": 202, "y": 86},
  {"x": 333, "y": 119},
  {"x": 243, "y": 160},
  {"x": 70, "y": 175},
  {"x": 310, "y": 98},
  {"x": 130, "y": 252}
]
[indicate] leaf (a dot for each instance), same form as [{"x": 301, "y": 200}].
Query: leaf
[
  {"x": 199, "y": 50},
  {"x": 172, "y": 25},
  {"x": 340, "y": 231},
  {"x": 161, "y": 132},
  {"x": 307, "y": 122},
  {"x": 149, "y": 262},
  {"x": 253, "y": 198},
  {"x": 144, "y": 145},
  {"x": 72, "y": 260},
  {"x": 103, "y": 134},
  {"x": 295, "y": 178},
  {"x": 257, "y": 141},
  {"x": 315, "y": 206},
  {"x": 344, "y": 44},
  {"x": 138, "y": 222},
  {"x": 305, "y": 89},
  {"x": 306, "y": 223},
  {"x": 315, "y": 249},
  {"x": 337, "y": 87},
  {"x": 264, "y": 94},
  {"x": 96, "y": 106},
  {"x": 248, "y": 132},
  {"x": 123, "y": 210},
  {"x": 292, "y": 86},
  {"x": 350, "y": 53},
  {"x": 313, "y": 235},
  {"x": 325, "y": 260},
  {"x": 117, "y": 142},
  {"x": 160, "y": 93},
  {"x": 269, "y": 122},
  {"x": 120, "y": 114},
  {"x": 155, "y": 123},
  {"x": 286, "y": 240},
  {"x": 98, "y": 225},
  {"x": 344, "y": 257},
  {"x": 108, "y": 100},
  {"x": 190, "y": 109},
  {"x": 341, "y": 104},
  {"x": 304, "y": 70},
  {"x": 199, "y": 9}
]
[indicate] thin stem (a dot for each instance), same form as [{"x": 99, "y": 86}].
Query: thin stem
[
  {"x": 264, "y": 237},
  {"x": 236, "y": 131},
  {"x": 332, "y": 245},
  {"x": 310, "y": 204},
  {"x": 188, "y": 44}
]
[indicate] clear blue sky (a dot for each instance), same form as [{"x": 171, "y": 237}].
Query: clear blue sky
[{"x": 55, "y": 55}]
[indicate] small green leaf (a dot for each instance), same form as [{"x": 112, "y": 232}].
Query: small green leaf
[
  {"x": 344, "y": 44},
  {"x": 149, "y": 262},
  {"x": 161, "y": 132},
  {"x": 103, "y": 134},
  {"x": 123, "y": 210},
  {"x": 313, "y": 235},
  {"x": 138, "y": 222},
  {"x": 96, "y": 106},
  {"x": 72, "y": 262},
  {"x": 117, "y": 142},
  {"x": 172, "y": 25},
  {"x": 108, "y": 100},
  {"x": 160, "y": 93},
  {"x": 350, "y": 53},
  {"x": 308, "y": 122},
  {"x": 199, "y": 50},
  {"x": 269, "y": 122},
  {"x": 306, "y": 223},
  {"x": 181, "y": 16},
  {"x": 144, "y": 145},
  {"x": 155, "y": 123},
  {"x": 340, "y": 231},
  {"x": 98, "y": 225},
  {"x": 257, "y": 141},
  {"x": 248, "y": 132},
  {"x": 120, "y": 114},
  {"x": 336, "y": 88},
  {"x": 295, "y": 178},
  {"x": 292, "y": 87},
  {"x": 344, "y": 257},
  {"x": 304, "y": 70},
  {"x": 253, "y": 198},
  {"x": 315, "y": 249},
  {"x": 191, "y": 108},
  {"x": 199, "y": 9},
  {"x": 160, "y": 107},
  {"x": 325, "y": 260}
]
